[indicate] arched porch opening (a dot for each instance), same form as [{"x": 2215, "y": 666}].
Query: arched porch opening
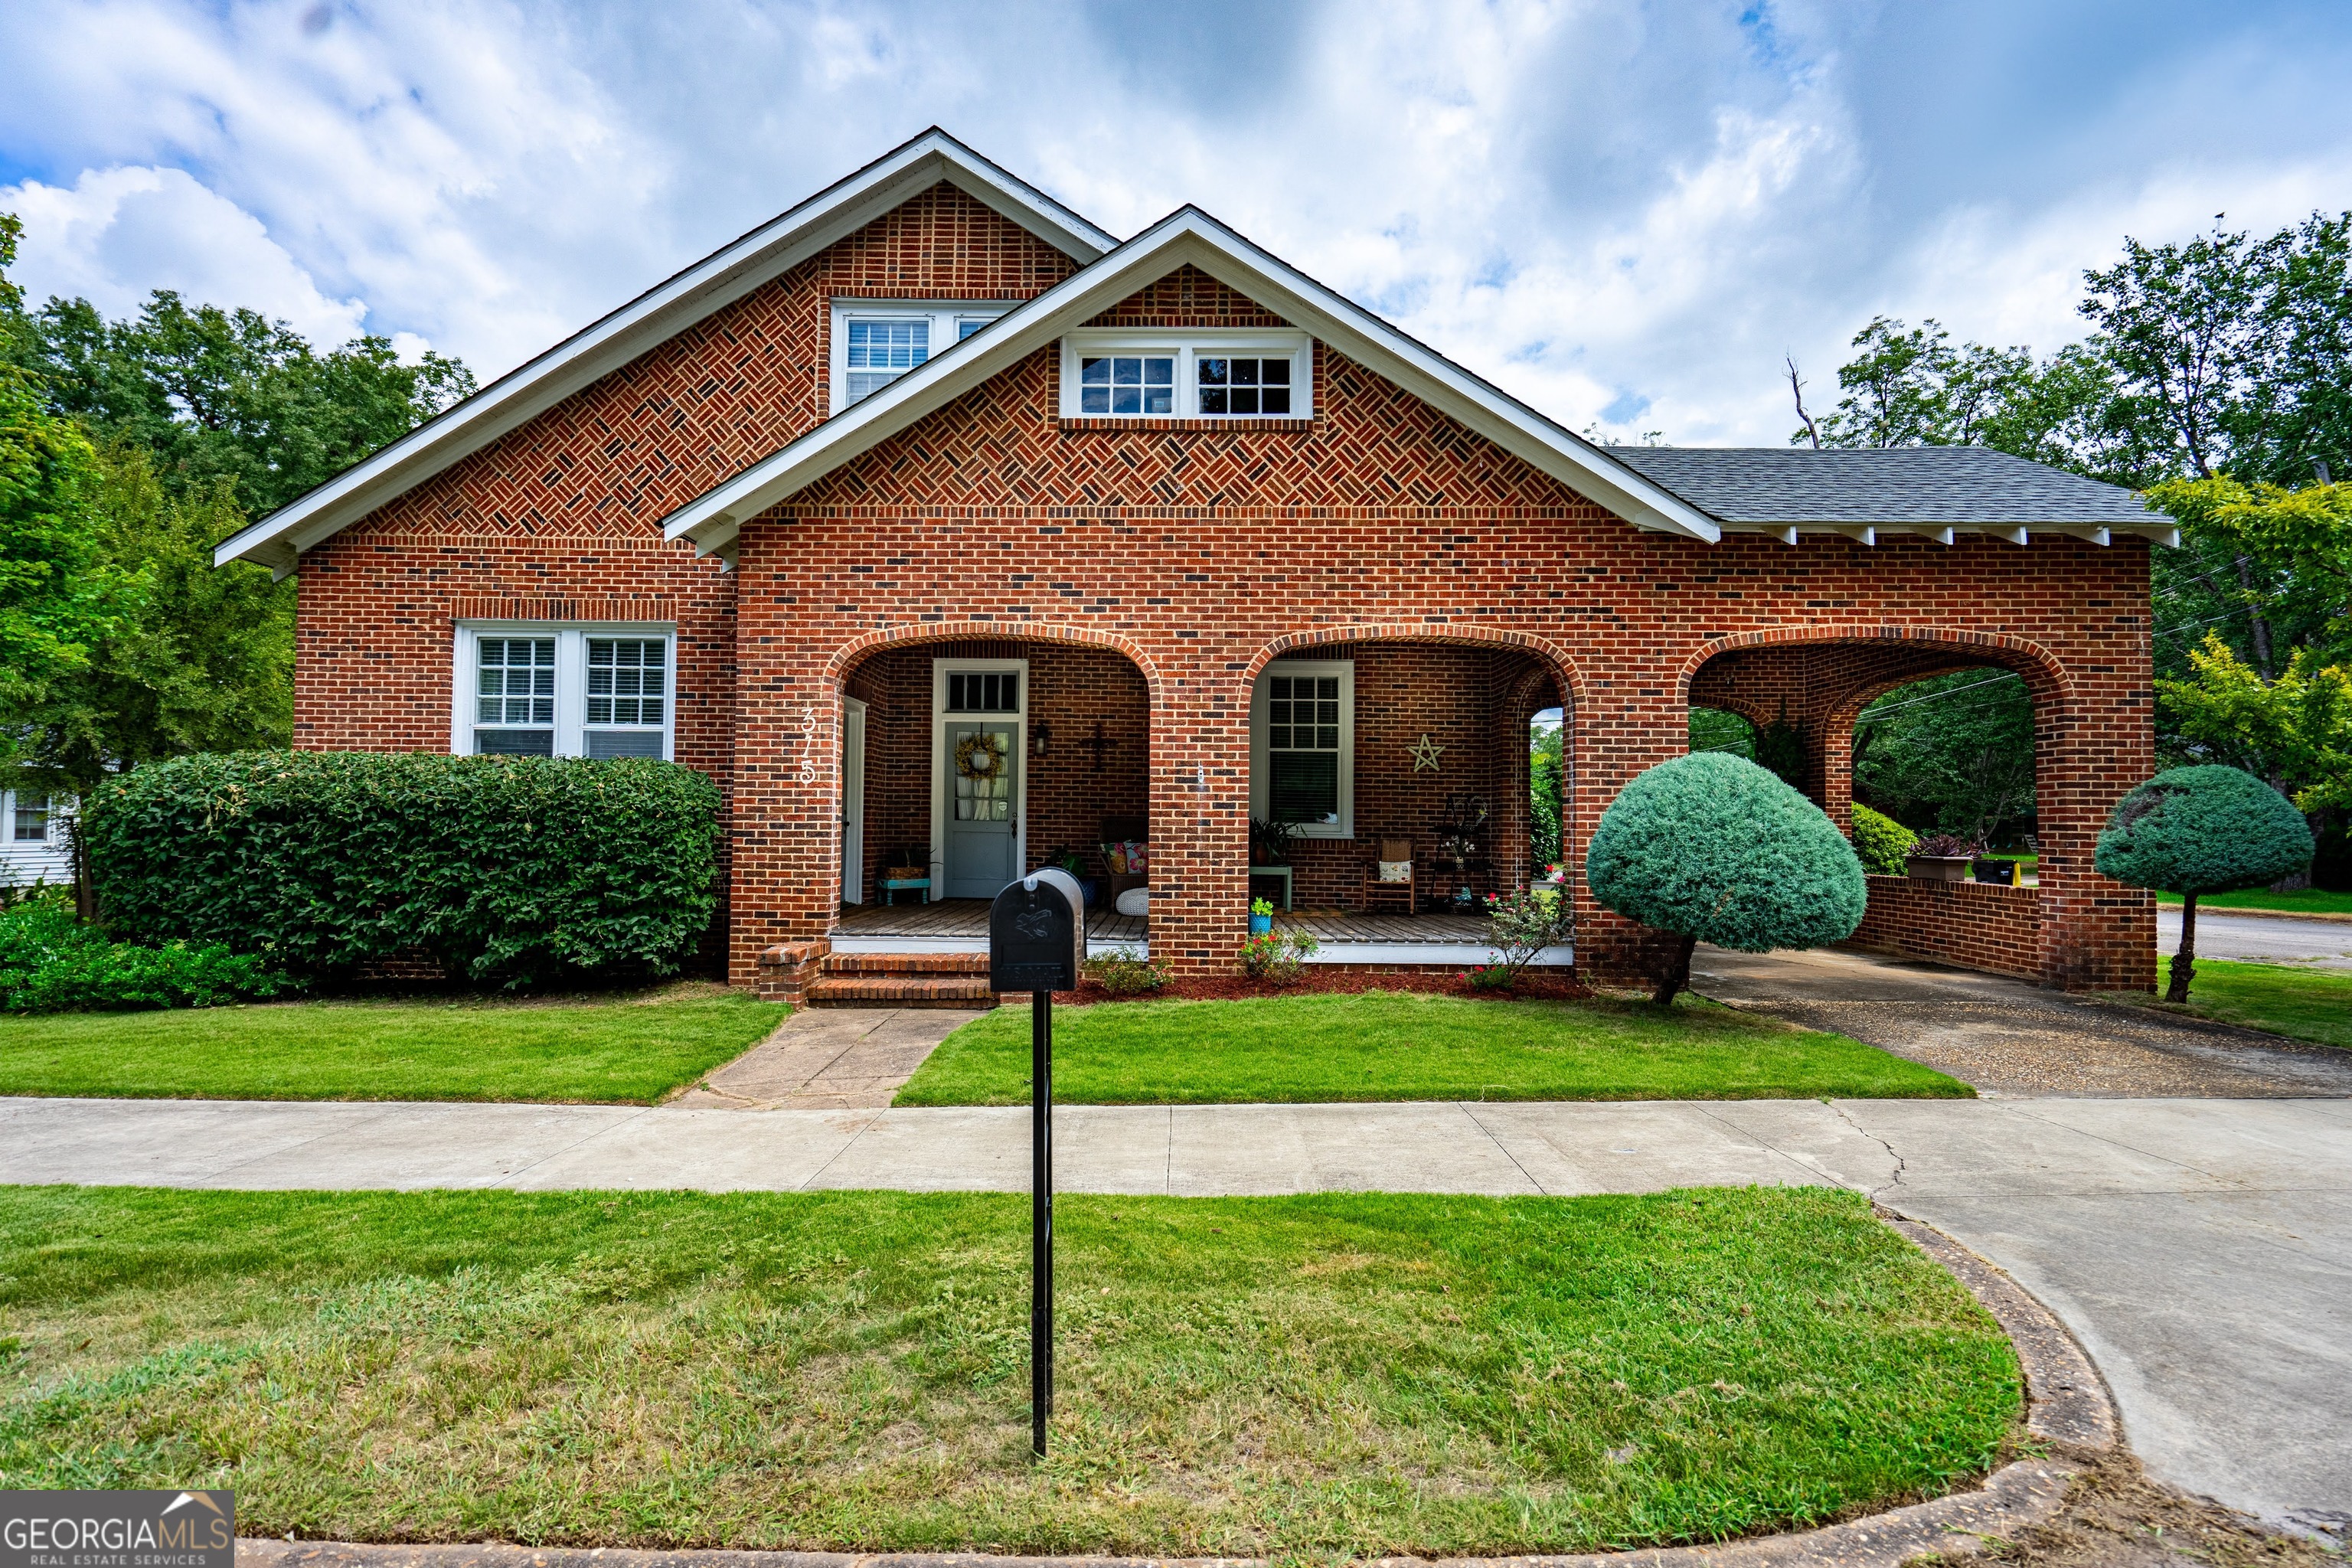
[
  {"x": 1809, "y": 691},
  {"x": 967, "y": 761}
]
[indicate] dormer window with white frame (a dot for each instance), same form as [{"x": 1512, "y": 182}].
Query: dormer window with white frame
[
  {"x": 1188, "y": 374},
  {"x": 876, "y": 341}
]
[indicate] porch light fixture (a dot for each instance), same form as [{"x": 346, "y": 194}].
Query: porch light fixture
[{"x": 1041, "y": 739}]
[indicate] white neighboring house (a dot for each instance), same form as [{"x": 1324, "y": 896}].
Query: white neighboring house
[{"x": 33, "y": 839}]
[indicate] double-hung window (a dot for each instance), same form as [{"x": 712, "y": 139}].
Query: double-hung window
[
  {"x": 876, "y": 341},
  {"x": 542, "y": 690},
  {"x": 1302, "y": 744},
  {"x": 29, "y": 818},
  {"x": 1200, "y": 373}
]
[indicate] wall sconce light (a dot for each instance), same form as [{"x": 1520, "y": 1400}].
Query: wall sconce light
[{"x": 1041, "y": 737}]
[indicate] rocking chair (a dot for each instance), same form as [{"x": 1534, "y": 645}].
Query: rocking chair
[{"x": 1390, "y": 895}]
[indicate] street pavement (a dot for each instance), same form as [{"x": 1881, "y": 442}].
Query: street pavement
[{"x": 2252, "y": 939}]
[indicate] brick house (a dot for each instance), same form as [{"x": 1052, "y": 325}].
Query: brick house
[{"x": 942, "y": 527}]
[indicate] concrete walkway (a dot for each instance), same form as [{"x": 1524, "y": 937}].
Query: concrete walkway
[
  {"x": 829, "y": 1059},
  {"x": 2201, "y": 1248}
]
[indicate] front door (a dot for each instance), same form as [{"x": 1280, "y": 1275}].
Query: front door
[
  {"x": 984, "y": 814},
  {"x": 853, "y": 801}
]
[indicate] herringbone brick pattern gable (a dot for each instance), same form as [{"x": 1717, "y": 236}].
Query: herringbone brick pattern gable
[
  {"x": 1371, "y": 444},
  {"x": 615, "y": 457},
  {"x": 1188, "y": 296}
]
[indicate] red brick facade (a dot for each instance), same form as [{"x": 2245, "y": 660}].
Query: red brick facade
[{"x": 1150, "y": 571}]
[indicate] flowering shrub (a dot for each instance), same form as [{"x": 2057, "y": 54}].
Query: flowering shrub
[
  {"x": 1123, "y": 972},
  {"x": 1522, "y": 925},
  {"x": 1277, "y": 955}
]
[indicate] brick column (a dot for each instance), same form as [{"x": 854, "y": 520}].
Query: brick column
[{"x": 1200, "y": 822}]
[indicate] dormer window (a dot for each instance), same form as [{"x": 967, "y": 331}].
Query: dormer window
[
  {"x": 1187, "y": 375},
  {"x": 876, "y": 341}
]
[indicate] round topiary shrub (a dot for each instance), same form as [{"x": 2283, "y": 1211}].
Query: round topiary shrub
[
  {"x": 2207, "y": 829},
  {"x": 1882, "y": 843},
  {"x": 1713, "y": 849}
]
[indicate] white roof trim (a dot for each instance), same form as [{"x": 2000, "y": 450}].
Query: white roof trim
[
  {"x": 653, "y": 318},
  {"x": 1191, "y": 236},
  {"x": 2159, "y": 531}
]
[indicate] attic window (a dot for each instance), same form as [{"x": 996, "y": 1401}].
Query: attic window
[
  {"x": 1187, "y": 375},
  {"x": 876, "y": 341}
]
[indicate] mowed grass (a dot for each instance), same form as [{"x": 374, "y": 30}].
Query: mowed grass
[
  {"x": 1342, "y": 1374},
  {"x": 2305, "y": 901},
  {"x": 2308, "y": 1004},
  {"x": 1395, "y": 1046},
  {"x": 629, "y": 1050}
]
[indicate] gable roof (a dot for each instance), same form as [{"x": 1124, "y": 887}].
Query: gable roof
[
  {"x": 652, "y": 319},
  {"x": 1918, "y": 488},
  {"x": 1187, "y": 236}
]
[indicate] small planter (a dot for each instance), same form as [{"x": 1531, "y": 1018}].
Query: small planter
[
  {"x": 1938, "y": 867},
  {"x": 1261, "y": 924}
]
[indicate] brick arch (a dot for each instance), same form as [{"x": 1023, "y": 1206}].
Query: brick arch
[
  {"x": 2061, "y": 685},
  {"x": 1563, "y": 668},
  {"x": 849, "y": 653}
]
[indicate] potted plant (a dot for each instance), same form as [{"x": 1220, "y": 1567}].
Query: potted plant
[
  {"x": 1261, "y": 916},
  {"x": 1939, "y": 857},
  {"x": 1270, "y": 841}
]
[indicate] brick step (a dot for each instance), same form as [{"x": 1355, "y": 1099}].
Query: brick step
[
  {"x": 901, "y": 990},
  {"x": 906, "y": 964}
]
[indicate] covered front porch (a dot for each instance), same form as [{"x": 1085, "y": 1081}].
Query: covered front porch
[{"x": 961, "y": 925}]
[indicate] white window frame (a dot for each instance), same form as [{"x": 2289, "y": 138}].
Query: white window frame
[
  {"x": 571, "y": 678},
  {"x": 1189, "y": 344},
  {"x": 1344, "y": 669},
  {"x": 946, "y": 317},
  {"x": 49, "y": 828}
]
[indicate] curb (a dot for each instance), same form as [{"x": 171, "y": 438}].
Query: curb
[{"x": 2068, "y": 1407}]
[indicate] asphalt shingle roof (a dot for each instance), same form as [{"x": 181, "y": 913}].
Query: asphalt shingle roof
[{"x": 1881, "y": 485}]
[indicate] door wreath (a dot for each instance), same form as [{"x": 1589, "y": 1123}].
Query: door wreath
[{"x": 980, "y": 755}]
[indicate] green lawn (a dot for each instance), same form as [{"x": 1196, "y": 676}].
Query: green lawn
[
  {"x": 2286, "y": 999},
  {"x": 1343, "y": 1375},
  {"x": 2309, "y": 902},
  {"x": 629, "y": 1050},
  {"x": 1386, "y": 1045}
]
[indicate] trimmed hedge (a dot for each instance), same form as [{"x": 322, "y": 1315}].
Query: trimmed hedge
[
  {"x": 513, "y": 870},
  {"x": 1713, "y": 847},
  {"x": 1883, "y": 844},
  {"x": 2209, "y": 829}
]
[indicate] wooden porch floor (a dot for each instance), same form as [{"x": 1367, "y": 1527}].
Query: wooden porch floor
[{"x": 966, "y": 919}]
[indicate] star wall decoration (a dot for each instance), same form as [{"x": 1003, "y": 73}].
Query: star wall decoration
[{"x": 1426, "y": 752}]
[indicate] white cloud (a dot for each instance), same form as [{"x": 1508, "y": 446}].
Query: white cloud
[
  {"x": 121, "y": 233},
  {"x": 1627, "y": 213}
]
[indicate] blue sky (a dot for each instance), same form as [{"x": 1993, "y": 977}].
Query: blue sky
[{"x": 1626, "y": 213}]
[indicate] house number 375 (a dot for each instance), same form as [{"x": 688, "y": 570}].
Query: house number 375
[{"x": 808, "y": 745}]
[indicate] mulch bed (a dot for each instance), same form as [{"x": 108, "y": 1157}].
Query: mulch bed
[{"x": 1318, "y": 978}]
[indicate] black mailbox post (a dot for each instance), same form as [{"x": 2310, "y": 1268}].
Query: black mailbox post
[{"x": 1036, "y": 940}]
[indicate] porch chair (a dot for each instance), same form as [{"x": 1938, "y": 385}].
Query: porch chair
[
  {"x": 1122, "y": 830},
  {"x": 1381, "y": 894}
]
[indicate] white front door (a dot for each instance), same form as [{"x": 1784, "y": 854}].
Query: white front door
[
  {"x": 984, "y": 816},
  {"x": 853, "y": 801}
]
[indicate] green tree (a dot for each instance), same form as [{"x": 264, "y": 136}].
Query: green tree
[
  {"x": 56, "y": 595},
  {"x": 218, "y": 394},
  {"x": 1954, "y": 753},
  {"x": 2199, "y": 830},
  {"x": 1712, "y": 849},
  {"x": 2295, "y": 732},
  {"x": 1546, "y": 777}
]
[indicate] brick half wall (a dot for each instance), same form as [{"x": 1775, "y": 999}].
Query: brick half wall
[{"x": 1976, "y": 925}]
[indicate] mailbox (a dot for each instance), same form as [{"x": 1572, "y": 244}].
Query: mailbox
[{"x": 1036, "y": 933}]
